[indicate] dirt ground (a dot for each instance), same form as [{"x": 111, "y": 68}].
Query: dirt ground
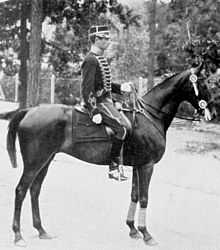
[{"x": 85, "y": 210}]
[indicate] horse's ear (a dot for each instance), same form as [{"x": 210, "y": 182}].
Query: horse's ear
[{"x": 199, "y": 68}]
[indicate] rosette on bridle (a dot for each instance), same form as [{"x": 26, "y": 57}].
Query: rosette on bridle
[{"x": 201, "y": 103}]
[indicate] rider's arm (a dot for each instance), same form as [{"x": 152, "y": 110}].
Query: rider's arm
[
  {"x": 120, "y": 88},
  {"x": 89, "y": 68},
  {"x": 116, "y": 88}
]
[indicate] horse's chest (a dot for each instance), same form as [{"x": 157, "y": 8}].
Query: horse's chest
[
  {"x": 155, "y": 145},
  {"x": 149, "y": 146}
]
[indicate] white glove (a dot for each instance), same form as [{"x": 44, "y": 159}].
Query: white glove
[
  {"x": 97, "y": 119},
  {"x": 118, "y": 105},
  {"x": 126, "y": 87}
]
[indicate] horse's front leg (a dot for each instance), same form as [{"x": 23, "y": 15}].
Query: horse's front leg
[
  {"x": 133, "y": 205},
  {"x": 144, "y": 176}
]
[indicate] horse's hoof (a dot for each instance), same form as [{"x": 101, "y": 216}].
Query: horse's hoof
[
  {"x": 19, "y": 242},
  {"x": 46, "y": 236},
  {"x": 135, "y": 235},
  {"x": 150, "y": 242}
]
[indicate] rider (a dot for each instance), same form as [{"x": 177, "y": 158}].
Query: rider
[{"x": 96, "y": 91}]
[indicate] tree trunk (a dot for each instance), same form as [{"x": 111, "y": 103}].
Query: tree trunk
[
  {"x": 35, "y": 51},
  {"x": 23, "y": 73},
  {"x": 152, "y": 29}
]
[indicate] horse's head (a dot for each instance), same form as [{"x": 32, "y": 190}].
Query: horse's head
[
  {"x": 205, "y": 52},
  {"x": 197, "y": 91}
]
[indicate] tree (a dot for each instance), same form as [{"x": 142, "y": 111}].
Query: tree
[
  {"x": 151, "y": 54},
  {"x": 13, "y": 35},
  {"x": 187, "y": 21},
  {"x": 78, "y": 19},
  {"x": 79, "y": 15},
  {"x": 131, "y": 55},
  {"x": 35, "y": 52},
  {"x": 23, "y": 55}
]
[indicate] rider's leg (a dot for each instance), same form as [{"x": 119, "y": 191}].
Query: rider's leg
[
  {"x": 115, "y": 167},
  {"x": 116, "y": 153},
  {"x": 113, "y": 118}
]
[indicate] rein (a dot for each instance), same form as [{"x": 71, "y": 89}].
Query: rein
[
  {"x": 138, "y": 108},
  {"x": 167, "y": 114}
]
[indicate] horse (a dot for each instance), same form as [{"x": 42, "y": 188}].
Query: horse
[{"x": 46, "y": 130}]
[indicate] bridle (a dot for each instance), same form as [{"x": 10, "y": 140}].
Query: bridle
[
  {"x": 139, "y": 105},
  {"x": 201, "y": 103}
]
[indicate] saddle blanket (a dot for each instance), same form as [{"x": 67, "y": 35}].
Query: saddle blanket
[{"x": 84, "y": 130}]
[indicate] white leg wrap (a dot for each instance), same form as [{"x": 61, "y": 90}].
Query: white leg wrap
[
  {"x": 142, "y": 217},
  {"x": 131, "y": 211}
]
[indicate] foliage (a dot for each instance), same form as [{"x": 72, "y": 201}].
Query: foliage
[
  {"x": 77, "y": 15},
  {"x": 131, "y": 55},
  {"x": 8, "y": 87},
  {"x": 68, "y": 90},
  {"x": 72, "y": 19},
  {"x": 186, "y": 21},
  {"x": 71, "y": 37},
  {"x": 72, "y": 33}
]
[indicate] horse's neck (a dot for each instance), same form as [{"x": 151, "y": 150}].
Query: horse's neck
[{"x": 163, "y": 102}]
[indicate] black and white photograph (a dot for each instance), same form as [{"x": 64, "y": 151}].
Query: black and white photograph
[{"x": 110, "y": 124}]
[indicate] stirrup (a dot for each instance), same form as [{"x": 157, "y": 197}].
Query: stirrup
[{"x": 117, "y": 174}]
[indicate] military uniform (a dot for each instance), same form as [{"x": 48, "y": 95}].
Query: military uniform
[{"x": 96, "y": 90}]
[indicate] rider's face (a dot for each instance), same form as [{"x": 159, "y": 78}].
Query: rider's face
[{"x": 102, "y": 42}]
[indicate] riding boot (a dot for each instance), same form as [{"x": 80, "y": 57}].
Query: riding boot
[{"x": 114, "y": 167}]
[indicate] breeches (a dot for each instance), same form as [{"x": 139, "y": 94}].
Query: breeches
[{"x": 117, "y": 121}]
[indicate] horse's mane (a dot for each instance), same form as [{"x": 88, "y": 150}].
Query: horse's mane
[
  {"x": 180, "y": 77},
  {"x": 168, "y": 78}
]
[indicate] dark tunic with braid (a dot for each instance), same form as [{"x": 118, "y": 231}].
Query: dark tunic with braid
[{"x": 96, "y": 91}]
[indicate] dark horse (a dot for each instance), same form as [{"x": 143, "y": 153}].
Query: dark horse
[{"x": 46, "y": 130}]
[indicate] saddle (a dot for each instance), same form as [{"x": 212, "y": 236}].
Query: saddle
[{"x": 84, "y": 130}]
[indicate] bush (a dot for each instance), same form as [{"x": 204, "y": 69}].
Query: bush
[
  {"x": 8, "y": 87},
  {"x": 68, "y": 90}
]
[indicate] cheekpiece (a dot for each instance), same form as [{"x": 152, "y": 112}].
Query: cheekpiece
[
  {"x": 193, "y": 78},
  {"x": 100, "y": 31},
  {"x": 202, "y": 104}
]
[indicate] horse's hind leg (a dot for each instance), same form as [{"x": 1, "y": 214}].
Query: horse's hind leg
[
  {"x": 20, "y": 194},
  {"x": 35, "y": 192},
  {"x": 133, "y": 205},
  {"x": 34, "y": 161}
]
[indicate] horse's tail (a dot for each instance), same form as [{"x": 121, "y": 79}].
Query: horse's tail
[
  {"x": 8, "y": 115},
  {"x": 11, "y": 136}
]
